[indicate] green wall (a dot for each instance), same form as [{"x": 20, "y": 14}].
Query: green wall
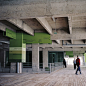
[
  {"x": 17, "y": 51},
  {"x": 28, "y": 39},
  {"x": 37, "y": 38},
  {"x": 10, "y": 33},
  {"x": 18, "y": 41},
  {"x": 69, "y": 53}
]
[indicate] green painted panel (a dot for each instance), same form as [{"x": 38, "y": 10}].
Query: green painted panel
[
  {"x": 18, "y": 45},
  {"x": 69, "y": 53},
  {"x": 15, "y": 58},
  {"x": 15, "y": 43},
  {"x": 18, "y": 41},
  {"x": 17, "y": 50},
  {"x": 10, "y": 33},
  {"x": 37, "y": 38},
  {"x": 85, "y": 56}
]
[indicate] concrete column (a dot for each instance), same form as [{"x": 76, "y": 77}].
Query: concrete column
[
  {"x": 19, "y": 67},
  {"x": 13, "y": 68},
  {"x": 4, "y": 57},
  {"x": 84, "y": 60},
  {"x": 45, "y": 58},
  {"x": 35, "y": 57}
]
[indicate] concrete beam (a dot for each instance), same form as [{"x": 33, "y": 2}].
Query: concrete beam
[
  {"x": 71, "y": 41},
  {"x": 45, "y": 24},
  {"x": 2, "y": 27},
  {"x": 68, "y": 36},
  {"x": 70, "y": 29},
  {"x": 53, "y": 19},
  {"x": 21, "y": 25},
  {"x": 70, "y": 24},
  {"x": 58, "y": 41},
  {"x": 21, "y": 9},
  {"x": 85, "y": 41},
  {"x": 75, "y": 45},
  {"x": 78, "y": 19},
  {"x": 50, "y": 45},
  {"x": 67, "y": 49}
]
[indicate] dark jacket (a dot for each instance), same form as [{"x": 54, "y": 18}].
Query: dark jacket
[
  {"x": 64, "y": 62},
  {"x": 77, "y": 61}
]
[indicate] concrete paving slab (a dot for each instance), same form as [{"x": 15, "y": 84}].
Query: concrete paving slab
[{"x": 62, "y": 77}]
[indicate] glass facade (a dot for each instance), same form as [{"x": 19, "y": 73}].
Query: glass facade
[{"x": 54, "y": 56}]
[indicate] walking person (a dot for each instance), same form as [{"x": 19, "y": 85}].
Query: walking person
[
  {"x": 64, "y": 63},
  {"x": 78, "y": 65},
  {"x": 74, "y": 62}
]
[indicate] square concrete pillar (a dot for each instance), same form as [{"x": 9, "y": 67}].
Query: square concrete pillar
[
  {"x": 13, "y": 68},
  {"x": 45, "y": 58},
  {"x": 35, "y": 57}
]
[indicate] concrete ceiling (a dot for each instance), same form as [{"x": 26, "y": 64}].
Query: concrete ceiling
[{"x": 66, "y": 18}]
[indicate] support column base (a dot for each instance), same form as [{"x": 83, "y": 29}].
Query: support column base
[{"x": 13, "y": 68}]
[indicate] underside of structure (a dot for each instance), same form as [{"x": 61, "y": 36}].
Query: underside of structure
[{"x": 53, "y": 27}]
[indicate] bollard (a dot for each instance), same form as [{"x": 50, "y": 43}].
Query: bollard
[
  {"x": 18, "y": 67},
  {"x": 50, "y": 67}
]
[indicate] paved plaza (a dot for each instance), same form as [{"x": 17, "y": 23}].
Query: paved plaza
[{"x": 61, "y": 77}]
